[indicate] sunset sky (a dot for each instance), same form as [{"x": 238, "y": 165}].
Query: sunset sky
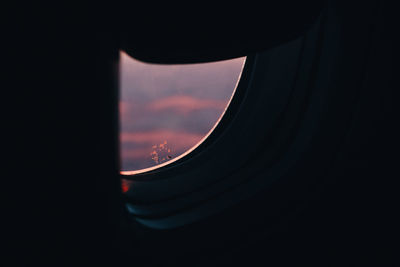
[{"x": 167, "y": 109}]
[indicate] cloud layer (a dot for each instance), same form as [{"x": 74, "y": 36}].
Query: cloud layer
[
  {"x": 185, "y": 104},
  {"x": 176, "y": 104}
]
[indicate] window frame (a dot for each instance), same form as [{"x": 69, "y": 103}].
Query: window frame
[{"x": 275, "y": 82}]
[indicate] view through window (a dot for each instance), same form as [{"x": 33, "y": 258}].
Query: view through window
[{"x": 165, "y": 110}]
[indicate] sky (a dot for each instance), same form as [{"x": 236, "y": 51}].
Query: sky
[{"x": 165, "y": 110}]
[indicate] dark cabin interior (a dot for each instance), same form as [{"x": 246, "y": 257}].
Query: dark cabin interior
[{"x": 337, "y": 208}]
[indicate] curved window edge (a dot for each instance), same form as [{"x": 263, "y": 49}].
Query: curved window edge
[{"x": 213, "y": 134}]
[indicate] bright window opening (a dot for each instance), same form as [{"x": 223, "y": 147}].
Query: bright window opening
[{"x": 167, "y": 110}]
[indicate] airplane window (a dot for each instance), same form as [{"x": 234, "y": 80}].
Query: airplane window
[
  {"x": 166, "y": 110},
  {"x": 259, "y": 140}
]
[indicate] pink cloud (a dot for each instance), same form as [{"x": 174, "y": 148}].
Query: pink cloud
[
  {"x": 178, "y": 139},
  {"x": 177, "y": 142},
  {"x": 135, "y": 154},
  {"x": 124, "y": 108},
  {"x": 185, "y": 104}
]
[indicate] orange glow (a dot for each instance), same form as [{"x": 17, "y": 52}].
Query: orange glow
[{"x": 125, "y": 185}]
